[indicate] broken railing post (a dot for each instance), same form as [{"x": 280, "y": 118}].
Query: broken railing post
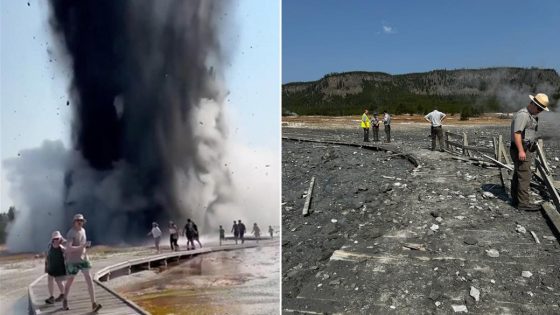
[
  {"x": 552, "y": 214},
  {"x": 305, "y": 211},
  {"x": 465, "y": 144}
]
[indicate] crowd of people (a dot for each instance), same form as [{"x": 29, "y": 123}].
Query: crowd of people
[
  {"x": 524, "y": 126},
  {"x": 238, "y": 230},
  {"x": 190, "y": 231},
  {"x": 374, "y": 122}
]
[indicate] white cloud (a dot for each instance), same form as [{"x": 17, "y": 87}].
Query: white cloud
[{"x": 389, "y": 29}]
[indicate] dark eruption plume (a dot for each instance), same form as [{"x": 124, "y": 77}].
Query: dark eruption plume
[{"x": 142, "y": 72}]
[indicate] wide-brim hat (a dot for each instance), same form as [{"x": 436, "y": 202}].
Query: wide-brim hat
[
  {"x": 56, "y": 234},
  {"x": 79, "y": 217},
  {"x": 541, "y": 100}
]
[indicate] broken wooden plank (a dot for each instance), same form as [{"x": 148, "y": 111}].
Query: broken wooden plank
[
  {"x": 506, "y": 156},
  {"x": 535, "y": 237},
  {"x": 509, "y": 167},
  {"x": 552, "y": 214},
  {"x": 542, "y": 157},
  {"x": 305, "y": 211},
  {"x": 549, "y": 182}
]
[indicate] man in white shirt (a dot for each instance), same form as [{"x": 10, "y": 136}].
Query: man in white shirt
[
  {"x": 156, "y": 234},
  {"x": 387, "y": 124},
  {"x": 436, "y": 118}
]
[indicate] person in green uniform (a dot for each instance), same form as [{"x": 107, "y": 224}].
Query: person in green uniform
[{"x": 55, "y": 267}]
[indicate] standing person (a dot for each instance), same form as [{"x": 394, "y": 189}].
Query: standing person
[
  {"x": 436, "y": 118},
  {"x": 196, "y": 234},
  {"x": 222, "y": 234},
  {"x": 242, "y": 230},
  {"x": 174, "y": 236},
  {"x": 54, "y": 267},
  {"x": 270, "y": 231},
  {"x": 77, "y": 259},
  {"x": 256, "y": 231},
  {"x": 523, "y": 143},
  {"x": 156, "y": 234},
  {"x": 387, "y": 124},
  {"x": 365, "y": 125},
  {"x": 375, "y": 126},
  {"x": 235, "y": 231},
  {"x": 188, "y": 231}
]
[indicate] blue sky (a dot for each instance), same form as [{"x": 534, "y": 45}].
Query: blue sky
[
  {"x": 33, "y": 90},
  {"x": 402, "y": 36}
]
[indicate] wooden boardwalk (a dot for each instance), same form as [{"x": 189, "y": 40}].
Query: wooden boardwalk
[{"x": 113, "y": 303}]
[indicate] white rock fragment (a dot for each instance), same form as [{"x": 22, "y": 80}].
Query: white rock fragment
[
  {"x": 526, "y": 274},
  {"x": 392, "y": 307},
  {"x": 493, "y": 253},
  {"x": 334, "y": 220},
  {"x": 438, "y": 303},
  {"x": 487, "y": 194},
  {"x": 520, "y": 229},
  {"x": 492, "y": 281},
  {"x": 434, "y": 227},
  {"x": 319, "y": 285},
  {"x": 459, "y": 217},
  {"x": 460, "y": 308},
  {"x": 530, "y": 293},
  {"x": 475, "y": 293},
  {"x": 439, "y": 219}
]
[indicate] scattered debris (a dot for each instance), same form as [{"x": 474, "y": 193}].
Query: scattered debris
[
  {"x": 439, "y": 219},
  {"x": 535, "y": 237},
  {"x": 526, "y": 274},
  {"x": 305, "y": 211},
  {"x": 475, "y": 293},
  {"x": 470, "y": 240},
  {"x": 520, "y": 229},
  {"x": 414, "y": 246},
  {"x": 434, "y": 227},
  {"x": 493, "y": 253},
  {"x": 460, "y": 308}
]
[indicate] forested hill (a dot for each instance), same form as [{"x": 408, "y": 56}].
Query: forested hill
[{"x": 471, "y": 91}]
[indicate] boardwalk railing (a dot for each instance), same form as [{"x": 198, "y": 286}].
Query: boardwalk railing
[{"x": 37, "y": 288}]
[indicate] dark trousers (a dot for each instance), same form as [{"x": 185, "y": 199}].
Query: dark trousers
[
  {"x": 521, "y": 180},
  {"x": 375, "y": 131},
  {"x": 241, "y": 236},
  {"x": 174, "y": 242},
  {"x": 366, "y": 134},
  {"x": 437, "y": 132},
  {"x": 388, "y": 132}
]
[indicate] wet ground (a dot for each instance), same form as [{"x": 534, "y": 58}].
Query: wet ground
[
  {"x": 386, "y": 237},
  {"x": 232, "y": 282}
]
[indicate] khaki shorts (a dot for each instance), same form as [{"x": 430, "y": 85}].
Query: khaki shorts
[{"x": 73, "y": 268}]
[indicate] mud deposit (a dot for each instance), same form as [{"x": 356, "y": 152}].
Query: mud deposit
[
  {"x": 385, "y": 237},
  {"x": 230, "y": 282}
]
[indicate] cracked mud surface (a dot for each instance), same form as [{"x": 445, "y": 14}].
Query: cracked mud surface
[{"x": 370, "y": 244}]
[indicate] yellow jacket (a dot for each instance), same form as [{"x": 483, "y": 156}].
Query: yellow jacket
[{"x": 365, "y": 121}]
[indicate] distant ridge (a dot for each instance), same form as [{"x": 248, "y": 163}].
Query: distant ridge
[{"x": 467, "y": 91}]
